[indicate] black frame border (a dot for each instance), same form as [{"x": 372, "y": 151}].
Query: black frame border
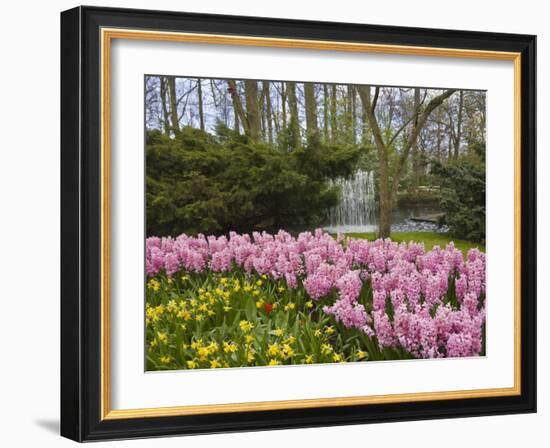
[{"x": 81, "y": 223}]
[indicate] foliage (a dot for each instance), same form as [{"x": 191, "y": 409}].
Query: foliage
[
  {"x": 462, "y": 197},
  {"x": 198, "y": 182},
  {"x": 418, "y": 196}
]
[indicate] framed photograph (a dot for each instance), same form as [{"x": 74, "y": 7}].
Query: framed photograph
[{"x": 272, "y": 223}]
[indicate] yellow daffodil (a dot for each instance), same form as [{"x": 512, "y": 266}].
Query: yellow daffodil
[
  {"x": 246, "y": 326},
  {"x": 229, "y": 347},
  {"x": 290, "y": 340},
  {"x": 153, "y": 284},
  {"x": 326, "y": 349},
  {"x": 172, "y": 306},
  {"x": 288, "y": 350},
  {"x": 273, "y": 350},
  {"x": 162, "y": 337},
  {"x": 196, "y": 344},
  {"x": 183, "y": 314},
  {"x": 215, "y": 364},
  {"x": 203, "y": 353},
  {"x": 203, "y": 307}
]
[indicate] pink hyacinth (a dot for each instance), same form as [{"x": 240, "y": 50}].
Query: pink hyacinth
[{"x": 409, "y": 290}]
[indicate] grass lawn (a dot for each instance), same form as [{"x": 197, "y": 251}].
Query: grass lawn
[{"x": 430, "y": 239}]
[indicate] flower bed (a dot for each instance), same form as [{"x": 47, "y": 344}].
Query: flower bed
[{"x": 276, "y": 299}]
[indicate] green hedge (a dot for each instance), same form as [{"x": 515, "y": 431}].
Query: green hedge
[{"x": 199, "y": 182}]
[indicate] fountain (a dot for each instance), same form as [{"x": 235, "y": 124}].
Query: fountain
[{"x": 356, "y": 211}]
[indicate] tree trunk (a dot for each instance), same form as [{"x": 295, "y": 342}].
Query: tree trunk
[
  {"x": 236, "y": 123},
  {"x": 283, "y": 103},
  {"x": 387, "y": 194},
  {"x": 364, "y": 125},
  {"x": 311, "y": 109},
  {"x": 173, "y": 104},
  {"x": 201, "y": 111},
  {"x": 164, "y": 102},
  {"x": 238, "y": 110},
  {"x": 261, "y": 108},
  {"x": 275, "y": 108},
  {"x": 351, "y": 113},
  {"x": 438, "y": 139},
  {"x": 333, "y": 118},
  {"x": 294, "y": 123},
  {"x": 252, "y": 109},
  {"x": 415, "y": 152},
  {"x": 459, "y": 124},
  {"x": 268, "y": 112},
  {"x": 384, "y": 192},
  {"x": 325, "y": 113}
]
